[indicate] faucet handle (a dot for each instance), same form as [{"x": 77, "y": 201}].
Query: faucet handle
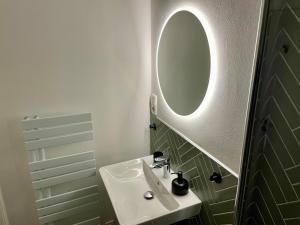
[
  {"x": 157, "y": 155},
  {"x": 160, "y": 159},
  {"x": 159, "y": 162}
]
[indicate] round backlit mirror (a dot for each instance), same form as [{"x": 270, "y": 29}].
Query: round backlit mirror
[{"x": 183, "y": 62}]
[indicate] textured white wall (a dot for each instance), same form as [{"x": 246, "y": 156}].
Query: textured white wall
[
  {"x": 69, "y": 56},
  {"x": 219, "y": 128},
  {"x": 3, "y": 214}
]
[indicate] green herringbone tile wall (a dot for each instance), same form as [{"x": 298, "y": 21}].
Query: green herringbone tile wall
[
  {"x": 218, "y": 199},
  {"x": 272, "y": 196}
]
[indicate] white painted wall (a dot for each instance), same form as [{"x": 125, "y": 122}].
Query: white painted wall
[
  {"x": 3, "y": 214},
  {"x": 219, "y": 129},
  {"x": 72, "y": 56}
]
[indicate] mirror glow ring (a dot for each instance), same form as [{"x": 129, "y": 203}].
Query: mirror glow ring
[{"x": 213, "y": 59}]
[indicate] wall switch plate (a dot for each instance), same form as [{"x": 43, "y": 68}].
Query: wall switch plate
[{"x": 153, "y": 104}]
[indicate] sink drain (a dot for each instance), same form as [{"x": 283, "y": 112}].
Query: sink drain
[{"x": 148, "y": 195}]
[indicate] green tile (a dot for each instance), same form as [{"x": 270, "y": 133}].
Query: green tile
[
  {"x": 200, "y": 189},
  {"x": 184, "y": 148},
  {"x": 297, "y": 134},
  {"x": 294, "y": 174},
  {"x": 160, "y": 140},
  {"x": 270, "y": 86},
  {"x": 288, "y": 80},
  {"x": 221, "y": 207},
  {"x": 297, "y": 11},
  {"x": 191, "y": 174},
  {"x": 269, "y": 199},
  {"x": 207, "y": 165},
  {"x": 290, "y": 209},
  {"x": 285, "y": 132},
  {"x": 278, "y": 171},
  {"x": 277, "y": 5},
  {"x": 207, "y": 172},
  {"x": 207, "y": 193},
  {"x": 177, "y": 139},
  {"x": 207, "y": 216},
  {"x": 272, "y": 31},
  {"x": 193, "y": 152},
  {"x": 271, "y": 181},
  {"x": 175, "y": 159},
  {"x": 226, "y": 218},
  {"x": 188, "y": 165},
  {"x": 226, "y": 194},
  {"x": 193, "y": 184},
  {"x": 172, "y": 159},
  {"x": 294, "y": 4},
  {"x": 279, "y": 148},
  {"x": 227, "y": 181},
  {"x": 290, "y": 23},
  {"x": 215, "y": 167},
  {"x": 257, "y": 215},
  {"x": 292, "y": 58},
  {"x": 171, "y": 140},
  {"x": 161, "y": 131},
  {"x": 297, "y": 189},
  {"x": 286, "y": 106},
  {"x": 263, "y": 207},
  {"x": 176, "y": 154},
  {"x": 162, "y": 146},
  {"x": 223, "y": 171},
  {"x": 294, "y": 221}
]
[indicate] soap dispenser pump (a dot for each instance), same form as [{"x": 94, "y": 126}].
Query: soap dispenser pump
[{"x": 180, "y": 186}]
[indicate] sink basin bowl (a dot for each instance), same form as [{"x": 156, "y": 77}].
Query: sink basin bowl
[{"x": 126, "y": 183}]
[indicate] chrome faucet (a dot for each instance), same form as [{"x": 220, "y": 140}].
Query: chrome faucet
[
  {"x": 164, "y": 162},
  {"x": 167, "y": 169}
]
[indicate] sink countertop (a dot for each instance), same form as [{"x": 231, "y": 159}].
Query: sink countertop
[{"x": 126, "y": 183}]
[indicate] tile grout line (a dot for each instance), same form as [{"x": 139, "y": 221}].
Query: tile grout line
[
  {"x": 279, "y": 135},
  {"x": 286, "y": 92},
  {"x": 273, "y": 198},
  {"x": 282, "y": 168},
  {"x": 290, "y": 69},
  {"x": 282, "y": 114},
  {"x": 278, "y": 184}
]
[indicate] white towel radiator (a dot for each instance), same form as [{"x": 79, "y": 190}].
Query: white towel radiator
[{"x": 63, "y": 172}]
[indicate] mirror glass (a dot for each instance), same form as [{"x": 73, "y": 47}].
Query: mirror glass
[{"x": 183, "y": 62}]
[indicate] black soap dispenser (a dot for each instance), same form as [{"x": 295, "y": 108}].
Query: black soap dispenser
[{"x": 180, "y": 186}]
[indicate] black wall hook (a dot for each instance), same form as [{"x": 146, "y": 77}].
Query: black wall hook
[
  {"x": 265, "y": 125},
  {"x": 216, "y": 177},
  {"x": 285, "y": 49},
  {"x": 152, "y": 126}
]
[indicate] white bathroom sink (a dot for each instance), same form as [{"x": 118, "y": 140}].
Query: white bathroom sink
[{"x": 126, "y": 183}]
